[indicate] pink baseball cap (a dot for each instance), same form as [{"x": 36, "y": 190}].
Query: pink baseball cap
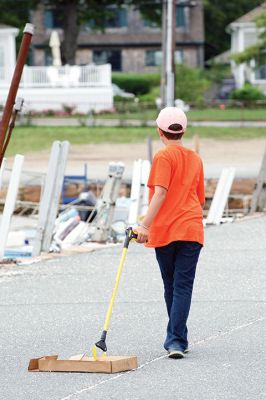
[{"x": 169, "y": 116}]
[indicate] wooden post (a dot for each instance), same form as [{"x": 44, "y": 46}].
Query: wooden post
[
  {"x": 196, "y": 143},
  {"x": 2, "y": 171},
  {"x": 10, "y": 202},
  {"x": 258, "y": 202},
  {"x": 135, "y": 193},
  {"x": 221, "y": 196},
  {"x": 22, "y": 55},
  {"x": 150, "y": 150},
  {"x": 57, "y": 189},
  {"x": 51, "y": 195}
]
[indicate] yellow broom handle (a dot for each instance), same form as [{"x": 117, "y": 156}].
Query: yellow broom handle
[{"x": 110, "y": 308}]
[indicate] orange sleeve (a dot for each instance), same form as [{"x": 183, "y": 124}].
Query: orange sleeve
[
  {"x": 160, "y": 173},
  {"x": 201, "y": 187}
]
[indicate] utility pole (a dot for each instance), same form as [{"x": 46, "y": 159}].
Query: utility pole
[
  {"x": 163, "y": 71},
  {"x": 170, "y": 75},
  {"x": 168, "y": 51}
]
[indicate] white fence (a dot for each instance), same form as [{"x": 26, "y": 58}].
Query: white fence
[{"x": 66, "y": 76}]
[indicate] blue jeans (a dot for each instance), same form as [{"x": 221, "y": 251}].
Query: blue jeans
[{"x": 177, "y": 262}]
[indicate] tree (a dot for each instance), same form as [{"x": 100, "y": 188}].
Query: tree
[
  {"x": 18, "y": 18},
  {"x": 217, "y": 15},
  {"x": 257, "y": 52}
]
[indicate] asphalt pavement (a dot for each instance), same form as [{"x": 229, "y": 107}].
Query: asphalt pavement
[{"x": 58, "y": 307}]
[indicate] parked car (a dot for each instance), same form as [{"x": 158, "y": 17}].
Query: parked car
[{"x": 117, "y": 91}]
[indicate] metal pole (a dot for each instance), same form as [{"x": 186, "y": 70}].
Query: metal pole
[{"x": 22, "y": 55}]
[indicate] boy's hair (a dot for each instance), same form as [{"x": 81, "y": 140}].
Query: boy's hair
[{"x": 174, "y": 136}]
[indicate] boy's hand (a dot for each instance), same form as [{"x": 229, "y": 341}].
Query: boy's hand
[{"x": 143, "y": 234}]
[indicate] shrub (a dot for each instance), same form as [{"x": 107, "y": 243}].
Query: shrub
[
  {"x": 136, "y": 83},
  {"x": 191, "y": 84},
  {"x": 248, "y": 93},
  {"x": 151, "y": 96}
]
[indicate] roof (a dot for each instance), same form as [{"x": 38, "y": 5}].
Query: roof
[
  {"x": 251, "y": 15},
  {"x": 223, "y": 58}
]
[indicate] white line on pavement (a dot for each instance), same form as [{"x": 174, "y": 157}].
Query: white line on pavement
[{"x": 199, "y": 342}]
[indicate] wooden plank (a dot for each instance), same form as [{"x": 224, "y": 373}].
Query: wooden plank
[
  {"x": 112, "y": 364},
  {"x": 258, "y": 201}
]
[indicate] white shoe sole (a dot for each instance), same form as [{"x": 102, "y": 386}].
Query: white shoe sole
[{"x": 176, "y": 354}]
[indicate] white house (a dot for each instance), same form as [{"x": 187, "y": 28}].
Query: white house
[
  {"x": 7, "y": 52},
  {"x": 84, "y": 88},
  {"x": 244, "y": 33}
]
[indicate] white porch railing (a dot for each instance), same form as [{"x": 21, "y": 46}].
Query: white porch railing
[{"x": 66, "y": 76}]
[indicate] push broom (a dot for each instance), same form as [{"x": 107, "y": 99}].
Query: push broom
[{"x": 101, "y": 344}]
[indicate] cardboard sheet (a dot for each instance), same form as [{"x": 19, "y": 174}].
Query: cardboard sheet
[{"x": 108, "y": 365}]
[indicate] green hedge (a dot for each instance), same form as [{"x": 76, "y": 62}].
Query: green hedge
[
  {"x": 191, "y": 84},
  {"x": 136, "y": 83}
]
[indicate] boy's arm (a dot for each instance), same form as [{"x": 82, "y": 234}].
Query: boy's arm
[{"x": 156, "y": 203}]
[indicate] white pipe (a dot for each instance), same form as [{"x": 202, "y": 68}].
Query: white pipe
[{"x": 10, "y": 202}]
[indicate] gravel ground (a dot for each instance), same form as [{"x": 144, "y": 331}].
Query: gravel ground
[{"x": 58, "y": 307}]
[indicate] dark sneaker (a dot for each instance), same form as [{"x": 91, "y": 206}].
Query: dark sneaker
[{"x": 175, "y": 354}]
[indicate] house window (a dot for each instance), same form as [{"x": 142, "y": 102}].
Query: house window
[
  {"x": 153, "y": 58},
  {"x": 150, "y": 24},
  {"x": 51, "y": 19},
  {"x": 180, "y": 17},
  {"x": 260, "y": 73},
  {"x": 179, "y": 56},
  {"x": 116, "y": 18},
  {"x": 112, "y": 57}
]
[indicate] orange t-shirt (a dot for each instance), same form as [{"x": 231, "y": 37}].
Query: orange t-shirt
[{"x": 180, "y": 171}]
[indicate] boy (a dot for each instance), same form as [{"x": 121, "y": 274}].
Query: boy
[{"x": 173, "y": 223}]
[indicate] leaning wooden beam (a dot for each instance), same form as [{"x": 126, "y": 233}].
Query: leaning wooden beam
[
  {"x": 7, "y": 112},
  {"x": 221, "y": 196}
]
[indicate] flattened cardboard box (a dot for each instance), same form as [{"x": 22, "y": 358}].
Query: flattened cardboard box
[{"x": 108, "y": 365}]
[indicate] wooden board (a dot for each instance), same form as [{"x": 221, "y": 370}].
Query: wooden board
[{"x": 108, "y": 365}]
